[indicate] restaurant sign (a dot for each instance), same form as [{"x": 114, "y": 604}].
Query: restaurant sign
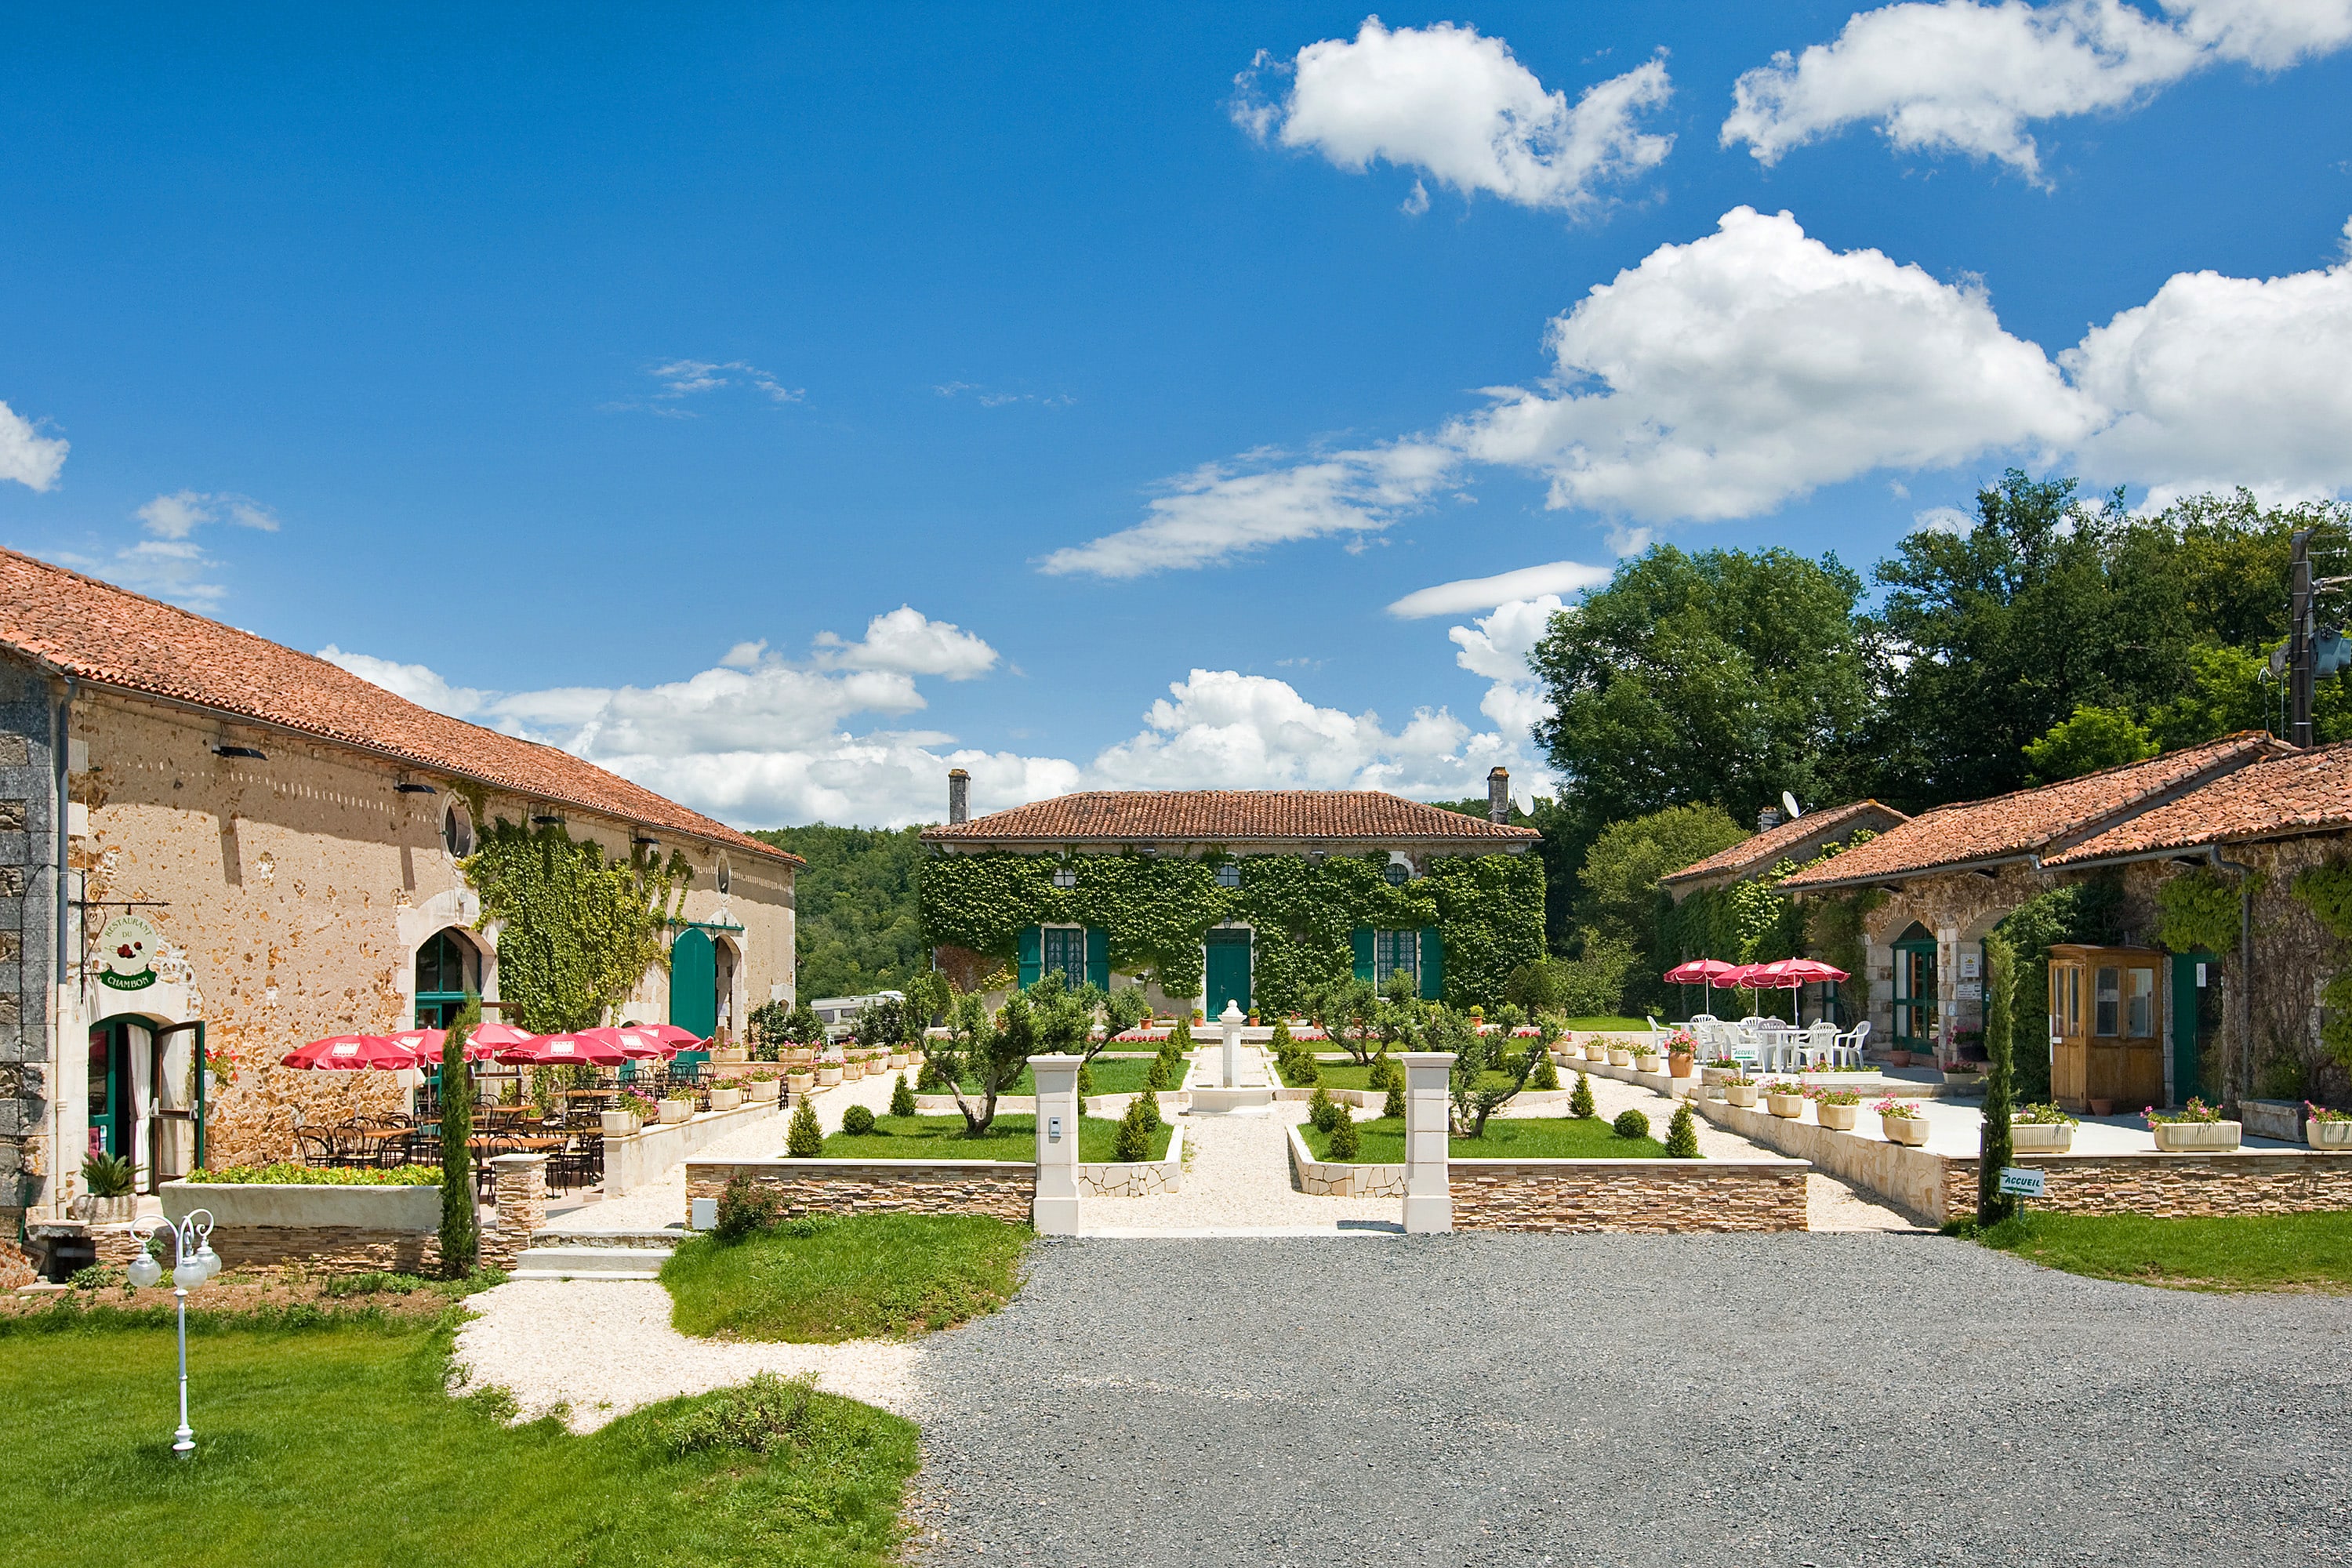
[{"x": 127, "y": 950}]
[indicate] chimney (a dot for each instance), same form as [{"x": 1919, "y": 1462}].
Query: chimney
[
  {"x": 959, "y": 795},
  {"x": 1768, "y": 819},
  {"x": 1499, "y": 795}
]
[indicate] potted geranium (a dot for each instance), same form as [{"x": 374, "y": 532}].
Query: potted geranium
[
  {"x": 1837, "y": 1109},
  {"x": 829, "y": 1069},
  {"x": 800, "y": 1079},
  {"x": 1900, "y": 1121},
  {"x": 2327, "y": 1129},
  {"x": 2196, "y": 1128},
  {"x": 631, "y": 1111},
  {"x": 1681, "y": 1052},
  {"x": 726, "y": 1096},
  {"x": 677, "y": 1106},
  {"x": 2041, "y": 1130},
  {"x": 1596, "y": 1049},
  {"x": 762, "y": 1083},
  {"x": 1740, "y": 1090},
  {"x": 1620, "y": 1056},
  {"x": 1648, "y": 1060},
  {"x": 1785, "y": 1099}
]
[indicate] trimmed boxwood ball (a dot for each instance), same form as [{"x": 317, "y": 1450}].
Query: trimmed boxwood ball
[
  {"x": 1630, "y": 1124},
  {"x": 857, "y": 1121}
]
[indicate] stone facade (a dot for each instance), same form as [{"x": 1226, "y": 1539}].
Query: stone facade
[
  {"x": 2248, "y": 1181},
  {"x": 29, "y": 1150},
  {"x": 1006, "y": 1188},
  {"x": 1634, "y": 1195}
]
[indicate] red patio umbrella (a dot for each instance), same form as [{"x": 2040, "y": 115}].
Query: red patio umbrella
[
  {"x": 425, "y": 1043},
  {"x": 638, "y": 1043},
  {"x": 1706, "y": 971},
  {"x": 1795, "y": 973},
  {"x": 563, "y": 1051},
  {"x": 350, "y": 1053},
  {"x": 669, "y": 1035}
]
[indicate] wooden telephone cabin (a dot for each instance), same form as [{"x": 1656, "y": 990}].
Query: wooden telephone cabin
[{"x": 2105, "y": 1026}]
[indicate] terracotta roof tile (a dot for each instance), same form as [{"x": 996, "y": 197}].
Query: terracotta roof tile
[
  {"x": 2305, "y": 791},
  {"x": 1764, "y": 848},
  {"x": 1224, "y": 816},
  {"x": 110, "y": 637},
  {"x": 2033, "y": 821}
]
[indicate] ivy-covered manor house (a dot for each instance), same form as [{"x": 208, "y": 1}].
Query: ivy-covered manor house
[
  {"x": 213, "y": 849},
  {"x": 1256, "y": 897}
]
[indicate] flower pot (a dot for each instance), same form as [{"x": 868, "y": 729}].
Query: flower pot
[
  {"x": 763, "y": 1087},
  {"x": 898, "y": 1061},
  {"x": 2040, "y": 1137},
  {"x": 730, "y": 1054},
  {"x": 1619, "y": 1057},
  {"x": 1909, "y": 1131},
  {"x": 2327, "y": 1134},
  {"x": 1789, "y": 1107},
  {"x": 1642, "y": 1062},
  {"x": 800, "y": 1082},
  {"x": 1838, "y": 1118},
  {"x": 2196, "y": 1137},
  {"x": 678, "y": 1110},
  {"x": 852, "y": 1071},
  {"x": 107, "y": 1211},
  {"x": 1712, "y": 1075},
  {"x": 617, "y": 1123},
  {"x": 1899, "y": 1058},
  {"x": 726, "y": 1098},
  {"x": 828, "y": 1076},
  {"x": 1680, "y": 1063},
  {"x": 1740, "y": 1094},
  {"x": 2103, "y": 1108}
]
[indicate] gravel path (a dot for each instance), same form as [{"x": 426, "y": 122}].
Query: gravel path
[
  {"x": 1627, "y": 1400},
  {"x": 605, "y": 1348},
  {"x": 1237, "y": 1183}
]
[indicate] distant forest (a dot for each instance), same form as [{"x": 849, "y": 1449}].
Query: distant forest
[{"x": 858, "y": 928}]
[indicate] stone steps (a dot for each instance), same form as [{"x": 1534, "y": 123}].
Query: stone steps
[{"x": 595, "y": 1255}]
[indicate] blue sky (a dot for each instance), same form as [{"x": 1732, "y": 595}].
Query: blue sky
[{"x": 606, "y": 374}]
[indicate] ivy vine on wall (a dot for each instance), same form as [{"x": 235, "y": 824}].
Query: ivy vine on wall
[
  {"x": 2326, "y": 890},
  {"x": 2199, "y": 913},
  {"x": 1487, "y": 908},
  {"x": 576, "y": 933}
]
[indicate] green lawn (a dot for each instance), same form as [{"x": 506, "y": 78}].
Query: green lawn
[
  {"x": 1009, "y": 1137},
  {"x": 1528, "y": 1137},
  {"x": 1610, "y": 1025},
  {"x": 1122, "y": 1077},
  {"x": 2254, "y": 1252},
  {"x": 864, "y": 1277},
  {"x": 1343, "y": 1072},
  {"x": 338, "y": 1446}
]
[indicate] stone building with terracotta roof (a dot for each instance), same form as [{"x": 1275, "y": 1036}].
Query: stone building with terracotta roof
[
  {"x": 207, "y": 837},
  {"x": 1261, "y": 895},
  {"x": 2138, "y": 1022},
  {"x": 1798, "y": 838}
]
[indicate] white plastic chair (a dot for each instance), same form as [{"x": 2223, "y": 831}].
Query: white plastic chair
[
  {"x": 1848, "y": 1046},
  {"x": 1817, "y": 1047}
]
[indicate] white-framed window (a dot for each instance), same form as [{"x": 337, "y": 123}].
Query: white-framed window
[
  {"x": 1393, "y": 953},
  {"x": 1065, "y": 954}
]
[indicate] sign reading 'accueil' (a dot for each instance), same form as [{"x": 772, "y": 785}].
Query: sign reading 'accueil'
[
  {"x": 2016, "y": 1182},
  {"x": 126, "y": 953}
]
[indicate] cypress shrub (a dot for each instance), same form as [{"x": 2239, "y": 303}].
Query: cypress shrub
[
  {"x": 933, "y": 1078},
  {"x": 2001, "y": 1078},
  {"x": 1322, "y": 1110},
  {"x": 1086, "y": 1081},
  {"x": 1630, "y": 1124},
  {"x": 902, "y": 1099},
  {"x": 1394, "y": 1105},
  {"x": 1682, "y": 1134},
  {"x": 1157, "y": 1076},
  {"x": 857, "y": 1121},
  {"x": 1346, "y": 1141},
  {"x": 1545, "y": 1075},
  {"x": 1281, "y": 1044},
  {"x": 1383, "y": 1071},
  {"x": 1150, "y": 1103},
  {"x": 461, "y": 1237},
  {"x": 1133, "y": 1141},
  {"x": 1580, "y": 1103},
  {"x": 806, "y": 1140}
]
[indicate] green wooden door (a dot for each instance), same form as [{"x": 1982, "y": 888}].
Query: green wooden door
[
  {"x": 1916, "y": 991},
  {"x": 2187, "y": 1011},
  {"x": 1229, "y": 971},
  {"x": 694, "y": 983}
]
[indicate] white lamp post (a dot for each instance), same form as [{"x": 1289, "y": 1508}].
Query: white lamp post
[{"x": 193, "y": 1261}]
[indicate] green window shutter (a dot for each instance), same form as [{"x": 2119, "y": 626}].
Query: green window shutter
[
  {"x": 1032, "y": 955},
  {"x": 1433, "y": 965},
  {"x": 1098, "y": 958},
  {"x": 1362, "y": 937}
]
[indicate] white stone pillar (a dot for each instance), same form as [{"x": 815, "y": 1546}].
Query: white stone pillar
[
  {"x": 1055, "y": 1211},
  {"x": 1229, "y": 1023},
  {"x": 1428, "y": 1177}
]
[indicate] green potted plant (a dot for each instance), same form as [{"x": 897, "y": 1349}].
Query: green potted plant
[
  {"x": 1785, "y": 1098},
  {"x": 2041, "y": 1130},
  {"x": 677, "y": 1106},
  {"x": 762, "y": 1083},
  {"x": 1647, "y": 1060},
  {"x": 1901, "y": 1123},
  {"x": 830, "y": 1068},
  {"x": 1837, "y": 1109},
  {"x": 1740, "y": 1090},
  {"x": 2327, "y": 1129},
  {"x": 1620, "y": 1056},
  {"x": 2196, "y": 1128},
  {"x": 630, "y": 1111},
  {"x": 726, "y": 1096},
  {"x": 110, "y": 1195}
]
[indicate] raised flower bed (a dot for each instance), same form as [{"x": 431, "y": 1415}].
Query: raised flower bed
[
  {"x": 2326, "y": 1129},
  {"x": 2196, "y": 1128},
  {"x": 1900, "y": 1121},
  {"x": 2041, "y": 1130}
]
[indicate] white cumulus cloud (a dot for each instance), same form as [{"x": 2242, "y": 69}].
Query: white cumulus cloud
[
  {"x": 1220, "y": 511},
  {"x": 27, "y": 456},
  {"x": 181, "y": 514},
  {"x": 1486, "y": 593},
  {"x": 1956, "y": 76},
  {"x": 1495, "y": 647},
  {"x": 416, "y": 682},
  {"x": 1459, "y": 106},
  {"x": 907, "y": 641}
]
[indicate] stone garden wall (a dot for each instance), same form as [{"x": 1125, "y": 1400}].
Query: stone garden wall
[
  {"x": 1320, "y": 1179},
  {"x": 1006, "y": 1188},
  {"x": 1637, "y": 1196},
  {"x": 343, "y": 1230},
  {"x": 2245, "y": 1182},
  {"x": 1137, "y": 1178}
]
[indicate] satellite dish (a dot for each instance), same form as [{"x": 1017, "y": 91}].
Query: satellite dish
[{"x": 1790, "y": 802}]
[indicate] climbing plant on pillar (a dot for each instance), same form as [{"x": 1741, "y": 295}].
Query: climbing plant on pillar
[{"x": 576, "y": 933}]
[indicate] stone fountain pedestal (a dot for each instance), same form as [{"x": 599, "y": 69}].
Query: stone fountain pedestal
[{"x": 1231, "y": 1078}]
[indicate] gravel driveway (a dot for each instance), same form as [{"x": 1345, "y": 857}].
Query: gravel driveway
[{"x": 1621, "y": 1400}]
